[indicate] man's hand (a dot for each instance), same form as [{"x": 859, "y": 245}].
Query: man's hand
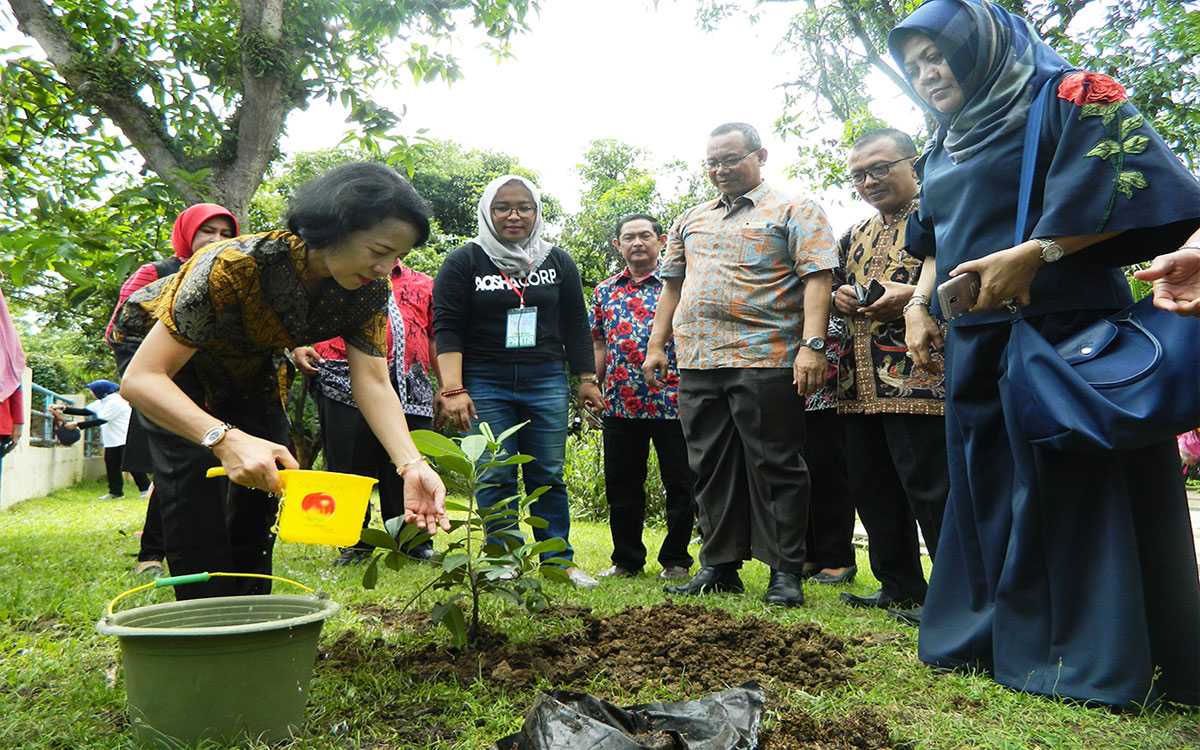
[
  {"x": 425, "y": 499},
  {"x": 809, "y": 370},
  {"x": 590, "y": 397},
  {"x": 922, "y": 335},
  {"x": 1176, "y": 278},
  {"x": 307, "y": 359},
  {"x": 891, "y": 305},
  {"x": 253, "y": 462},
  {"x": 845, "y": 300},
  {"x": 654, "y": 369}
]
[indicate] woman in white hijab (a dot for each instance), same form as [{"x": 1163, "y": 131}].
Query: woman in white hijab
[{"x": 509, "y": 318}]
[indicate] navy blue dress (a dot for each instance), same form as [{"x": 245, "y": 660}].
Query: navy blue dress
[{"x": 1059, "y": 574}]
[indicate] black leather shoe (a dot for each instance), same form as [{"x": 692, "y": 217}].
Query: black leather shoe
[
  {"x": 878, "y": 600},
  {"x": 424, "y": 553},
  {"x": 709, "y": 580},
  {"x": 846, "y": 576},
  {"x": 785, "y": 590},
  {"x": 908, "y": 616}
]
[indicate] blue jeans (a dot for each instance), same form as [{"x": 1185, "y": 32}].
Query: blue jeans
[{"x": 506, "y": 395}]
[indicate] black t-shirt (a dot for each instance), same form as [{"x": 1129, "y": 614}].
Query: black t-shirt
[{"x": 471, "y": 301}]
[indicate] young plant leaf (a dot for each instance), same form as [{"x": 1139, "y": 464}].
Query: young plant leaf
[
  {"x": 510, "y": 432},
  {"x": 473, "y": 447},
  {"x": 555, "y": 573},
  {"x": 392, "y": 560},
  {"x": 378, "y": 538},
  {"x": 434, "y": 445},
  {"x": 371, "y": 574},
  {"x": 556, "y": 544}
]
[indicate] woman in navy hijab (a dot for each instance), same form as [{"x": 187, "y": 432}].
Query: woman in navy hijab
[{"x": 1061, "y": 574}]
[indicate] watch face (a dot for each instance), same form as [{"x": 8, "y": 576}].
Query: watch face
[
  {"x": 212, "y": 436},
  {"x": 816, "y": 344}
]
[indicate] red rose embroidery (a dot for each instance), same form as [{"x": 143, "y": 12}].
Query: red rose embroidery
[
  {"x": 626, "y": 392},
  {"x": 633, "y": 404},
  {"x": 624, "y": 328},
  {"x": 635, "y": 303},
  {"x": 628, "y": 345},
  {"x": 641, "y": 314},
  {"x": 620, "y": 372},
  {"x": 651, "y": 410},
  {"x": 636, "y": 358},
  {"x": 1090, "y": 88}
]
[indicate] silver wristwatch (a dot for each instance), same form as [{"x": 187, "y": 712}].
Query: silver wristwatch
[
  {"x": 1051, "y": 250},
  {"x": 215, "y": 435},
  {"x": 816, "y": 343}
]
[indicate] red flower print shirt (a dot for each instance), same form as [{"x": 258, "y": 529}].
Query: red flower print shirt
[{"x": 621, "y": 316}]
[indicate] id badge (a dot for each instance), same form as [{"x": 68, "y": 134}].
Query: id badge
[{"x": 521, "y": 332}]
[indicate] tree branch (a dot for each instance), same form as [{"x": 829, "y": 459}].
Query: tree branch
[
  {"x": 873, "y": 57},
  {"x": 260, "y": 116},
  {"x": 139, "y": 123}
]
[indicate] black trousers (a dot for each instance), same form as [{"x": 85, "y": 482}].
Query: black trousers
[
  {"x": 745, "y": 437},
  {"x": 214, "y": 525},
  {"x": 898, "y": 478},
  {"x": 136, "y": 458},
  {"x": 351, "y": 447},
  {"x": 626, "y": 450},
  {"x": 112, "y": 471},
  {"x": 830, "y": 539}
]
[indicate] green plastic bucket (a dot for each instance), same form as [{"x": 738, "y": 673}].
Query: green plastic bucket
[{"x": 223, "y": 668}]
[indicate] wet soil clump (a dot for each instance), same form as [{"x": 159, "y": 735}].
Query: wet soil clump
[
  {"x": 693, "y": 649},
  {"x": 863, "y": 729}
]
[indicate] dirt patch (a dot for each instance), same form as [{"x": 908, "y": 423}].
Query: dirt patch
[
  {"x": 410, "y": 620},
  {"x": 685, "y": 646},
  {"x": 863, "y": 729}
]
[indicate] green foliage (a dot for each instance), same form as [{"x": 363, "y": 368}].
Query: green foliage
[
  {"x": 1151, "y": 46},
  {"x": 471, "y": 566},
  {"x": 449, "y": 176},
  {"x": 175, "y": 103},
  {"x": 583, "y": 472},
  {"x": 620, "y": 179}
]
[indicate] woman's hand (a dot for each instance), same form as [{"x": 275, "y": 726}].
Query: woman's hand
[
  {"x": 809, "y": 370},
  {"x": 425, "y": 499},
  {"x": 1176, "y": 278},
  {"x": 457, "y": 411},
  {"x": 922, "y": 335},
  {"x": 1005, "y": 276},
  {"x": 306, "y": 360},
  {"x": 253, "y": 462}
]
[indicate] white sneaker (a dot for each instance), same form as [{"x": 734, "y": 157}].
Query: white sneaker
[
  {"x": 107, "y": 497},
  {"x": 580, "y": 579}
]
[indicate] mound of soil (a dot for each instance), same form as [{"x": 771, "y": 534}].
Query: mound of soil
[
  {"x": 861, "y": 730},
  {"x": 691, "y": 647}
]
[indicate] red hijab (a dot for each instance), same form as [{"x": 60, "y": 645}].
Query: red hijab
[{"x": 190, "y": 220}]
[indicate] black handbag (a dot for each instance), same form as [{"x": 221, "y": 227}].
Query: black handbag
[{"x": 1125, "y": 382}]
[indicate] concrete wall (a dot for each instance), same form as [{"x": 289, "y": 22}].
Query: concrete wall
[{"x": 28, "y": 471}]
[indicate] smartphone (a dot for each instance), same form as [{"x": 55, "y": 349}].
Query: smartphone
[
  {"x": 958, "y": 295},
  {"x": 874, "y": 291}
]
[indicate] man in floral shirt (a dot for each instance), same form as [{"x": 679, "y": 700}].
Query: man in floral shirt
[{"x": 635, "y": 414}]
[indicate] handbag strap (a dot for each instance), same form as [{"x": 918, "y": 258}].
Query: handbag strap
[{"x": 1033, "y": 130}]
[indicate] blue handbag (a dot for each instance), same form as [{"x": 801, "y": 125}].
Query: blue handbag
[{"x": 1128, "y": 381}]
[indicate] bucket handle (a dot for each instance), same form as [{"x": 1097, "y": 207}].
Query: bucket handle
[{"x": 158, "y": 583}]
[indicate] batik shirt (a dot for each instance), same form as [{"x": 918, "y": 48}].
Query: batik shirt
[
  {"x": 743, "y": 265},
  {"x": 876, "y": 375},
  {"x": 410, "y": 324},
  {"x": 242, "y": 302},
  {"x": 621, "y": 316}
]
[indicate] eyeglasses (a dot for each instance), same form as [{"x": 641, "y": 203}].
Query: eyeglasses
[
  {"x": 522, "y": 209},
  {"x": 876, "y": 171},
  {"x": 728, "y": 162}
]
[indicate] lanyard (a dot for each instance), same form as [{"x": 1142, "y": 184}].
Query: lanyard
[{"x": 515, "y": 287}]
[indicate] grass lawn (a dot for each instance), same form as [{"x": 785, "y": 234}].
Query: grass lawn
[{"x": 63, "y": 557}]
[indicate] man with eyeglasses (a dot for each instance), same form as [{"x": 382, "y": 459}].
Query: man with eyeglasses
[
  {"x": 892, "y": 411},
  {"x": 747, "y": 292}
]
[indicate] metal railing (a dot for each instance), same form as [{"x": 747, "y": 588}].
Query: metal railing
[{"x": 41, "y": 422}]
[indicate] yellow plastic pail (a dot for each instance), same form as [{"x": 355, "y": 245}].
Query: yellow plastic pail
[{"x": 320, "y": 507}]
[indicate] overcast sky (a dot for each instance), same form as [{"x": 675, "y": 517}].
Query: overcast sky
[{"x": 622, "y": 69}]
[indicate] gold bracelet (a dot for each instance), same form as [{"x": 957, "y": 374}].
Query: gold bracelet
[{"x": 409, "y": 464}]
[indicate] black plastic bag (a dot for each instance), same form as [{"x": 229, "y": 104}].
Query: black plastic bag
[{"x": 562, "y": 720}]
